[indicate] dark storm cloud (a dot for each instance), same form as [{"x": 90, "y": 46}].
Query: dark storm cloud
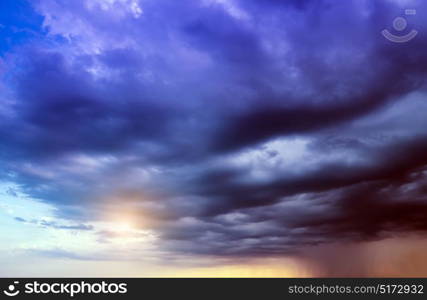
[
  {"x": 70, "y": 113},
  {"x": 344, "y": 87},
  {"x": 170, "y": 112},
  {"x": 335, "y": 203}
]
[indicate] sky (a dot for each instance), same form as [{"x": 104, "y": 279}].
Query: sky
[{"x": 158, "y": 138}]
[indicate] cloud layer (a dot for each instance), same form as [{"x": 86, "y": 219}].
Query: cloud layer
[{"x": 249, "y": 128}]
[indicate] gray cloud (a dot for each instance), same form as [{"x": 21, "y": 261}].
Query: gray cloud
[{"x": 158, "y": 121}]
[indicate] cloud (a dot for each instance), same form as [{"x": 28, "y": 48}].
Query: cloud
[
  {"x": 248, "y": 128},
  {"x": 55, "y": 225},
  {"x": 63, "y": 254}
]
